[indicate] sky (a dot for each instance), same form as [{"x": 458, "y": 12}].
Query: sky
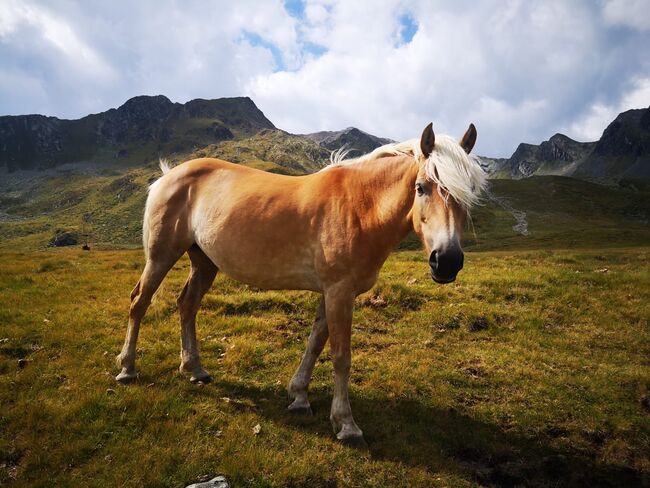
[{"x": 520, "y": 70}]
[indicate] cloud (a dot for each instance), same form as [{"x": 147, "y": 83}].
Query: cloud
[
  {"x": 91, "y": 56},
  {"x": 19, "y": 20},
  {"x": 520, "y": 70},
  {"x": 628, "y": 13}
]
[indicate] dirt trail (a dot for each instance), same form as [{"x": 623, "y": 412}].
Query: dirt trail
[{"x": 521, "y": 224}]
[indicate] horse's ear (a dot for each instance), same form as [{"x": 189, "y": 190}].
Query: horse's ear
[
  {"x": 469, "y": 139},
  {"x": 428, "y": 140}
]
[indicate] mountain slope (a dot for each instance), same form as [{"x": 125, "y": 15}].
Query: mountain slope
[
  {"x": 357, "y": 141},
  {"x": 572, "y": 213},
  {"x": 270, "y": 150},
  {"x": 560, "y": 155},
  {"x": 623, "y": 151},
  {"x": 143, "y": 128},
  {"x": 560, "y": 211}
]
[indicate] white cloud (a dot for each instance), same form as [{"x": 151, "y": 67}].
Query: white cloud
[
  {"x": 507, "y": 67},
  {"x": 599, "y": 115},
  {"x": 628, "y": 13},
  {"x": 18, "y": 19},
  {"x": 520, "y": 70}
]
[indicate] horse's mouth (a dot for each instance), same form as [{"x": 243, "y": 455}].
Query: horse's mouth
[{"x": 442, "y": 281}]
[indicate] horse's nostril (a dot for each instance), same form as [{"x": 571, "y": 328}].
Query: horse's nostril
[{"x": 433, "y": 259}]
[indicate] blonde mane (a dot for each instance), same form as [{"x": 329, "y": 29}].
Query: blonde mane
[{"x": 456, "y": 173}]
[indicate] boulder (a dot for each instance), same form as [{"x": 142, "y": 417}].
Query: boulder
[{"x": 64, "y": 238}]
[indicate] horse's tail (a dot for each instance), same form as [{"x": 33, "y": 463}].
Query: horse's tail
[{"x": 165, "y": 167}]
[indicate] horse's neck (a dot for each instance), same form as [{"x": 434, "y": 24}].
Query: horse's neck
[{"x": 390, "y": 189}]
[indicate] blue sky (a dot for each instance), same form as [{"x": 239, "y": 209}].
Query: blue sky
[{"x": 520, "y": 70}]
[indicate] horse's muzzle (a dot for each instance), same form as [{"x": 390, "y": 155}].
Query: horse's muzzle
[{"x": 445, "y": 264}]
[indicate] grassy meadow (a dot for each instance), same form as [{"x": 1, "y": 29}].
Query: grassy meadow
[{"x": 532, "y": 369}]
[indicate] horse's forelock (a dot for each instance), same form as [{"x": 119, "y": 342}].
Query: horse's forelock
[{"x": 457, "y": 173}]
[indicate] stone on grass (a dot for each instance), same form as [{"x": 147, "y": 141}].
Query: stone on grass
[
  {"x": 64, "y": 238},
  {"x": 217, "y": 482}
]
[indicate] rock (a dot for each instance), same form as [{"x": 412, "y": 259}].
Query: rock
[
  {"x": 22, "y": 363},
  {"x": 64, "y": 238},
  {"x": 217, "y": 482},
  {"x": 110, "y": 391},
  {"x": 257, "y": 429}
]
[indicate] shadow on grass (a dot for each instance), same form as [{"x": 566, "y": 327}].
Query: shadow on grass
[{"x": 450, "y": 441}]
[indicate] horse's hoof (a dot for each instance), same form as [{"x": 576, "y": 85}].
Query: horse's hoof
[
  {"x": 301, "y": 411},
  {"x": 125, "y": 378},
  {"x": 356, "y": 442},
  {"x": 205, "y": 379}
]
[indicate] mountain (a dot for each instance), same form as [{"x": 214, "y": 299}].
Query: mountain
[
  {"x": 623, "y": 151},
  {"x": 560, "y": 155},
  {"x": 358, "y": 141},
  {"x": 143, "y": 128}
]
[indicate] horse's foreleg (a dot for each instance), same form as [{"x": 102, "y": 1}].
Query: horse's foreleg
[
  {"x": 338, "y": 309},
  {"x": 300, "y": 381},
  {"x": 199, "y": 282},
  {"x": 152, "y": 276}
]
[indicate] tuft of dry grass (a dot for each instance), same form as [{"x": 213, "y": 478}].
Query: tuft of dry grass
[{"x": 532, "y": 369}]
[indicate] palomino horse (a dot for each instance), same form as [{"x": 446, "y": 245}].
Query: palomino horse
[{"x": 329, "y": 232}]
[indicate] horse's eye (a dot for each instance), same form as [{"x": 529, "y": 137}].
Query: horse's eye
[{"x": 419, "y": 189}]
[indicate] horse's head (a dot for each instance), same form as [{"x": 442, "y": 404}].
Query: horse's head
[{"x": 448, "y": 183}]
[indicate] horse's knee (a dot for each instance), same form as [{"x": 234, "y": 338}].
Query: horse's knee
[
  {"x": 136, "y": 291},
  {"x": 138, "y": 307},
  {"x": 180, "y": 300}
]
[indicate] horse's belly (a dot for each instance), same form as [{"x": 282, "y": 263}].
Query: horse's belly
[
  {"x": 275, "y": 281},
  {"x": 281, "y": 271}
]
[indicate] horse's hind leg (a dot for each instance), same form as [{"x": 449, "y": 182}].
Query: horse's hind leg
[
  {"x": 152, "y": 276},
  {"x": 300, "y": 381},
  {"x": 202, "y": 275}
]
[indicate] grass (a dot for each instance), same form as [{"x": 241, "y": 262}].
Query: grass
[{"x": 531, "y": 369}]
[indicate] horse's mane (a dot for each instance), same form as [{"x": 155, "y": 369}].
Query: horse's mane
[{"x": 455, "y": 172}]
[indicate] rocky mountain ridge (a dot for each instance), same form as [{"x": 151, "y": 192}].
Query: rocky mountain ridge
[
  {"x": 623, "y": 152},
  {"x": 143, "y": 127}
]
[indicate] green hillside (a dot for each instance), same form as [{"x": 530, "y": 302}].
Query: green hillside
[
  {"x": 559, "y": 212},
  {"x": 270, "y": 150}
]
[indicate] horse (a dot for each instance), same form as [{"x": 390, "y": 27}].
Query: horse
[{"x": 329, "y": 232}]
